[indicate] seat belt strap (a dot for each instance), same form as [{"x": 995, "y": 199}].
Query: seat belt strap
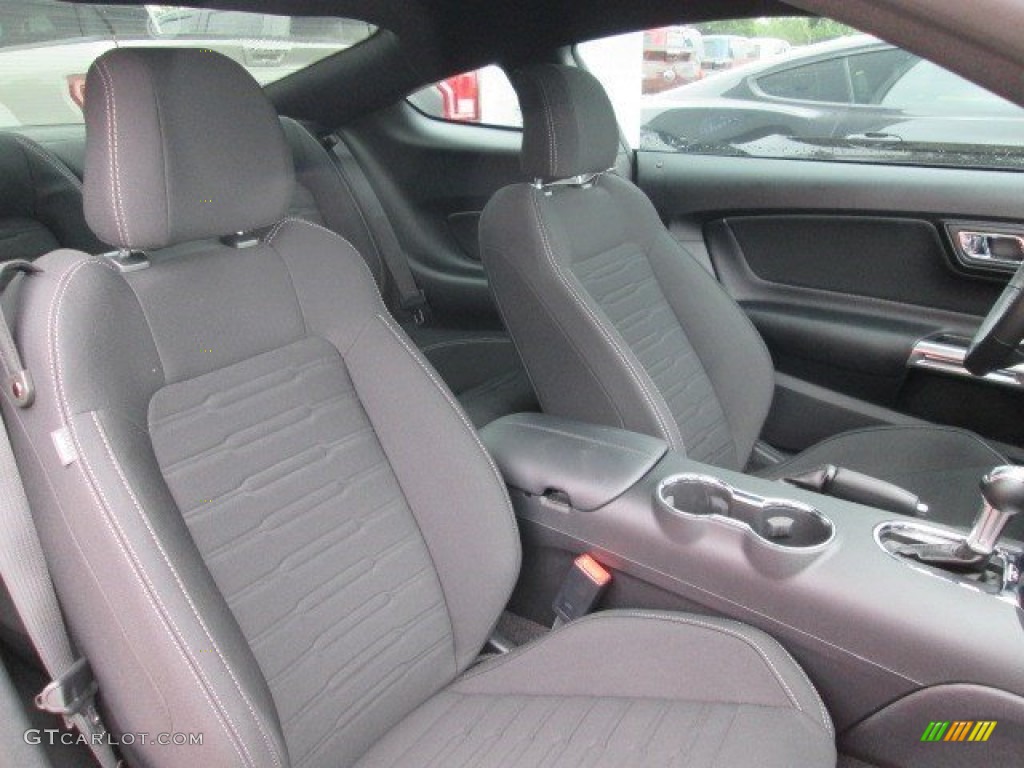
[
  {"x": 411, "y": 297},
  {"x": 19, "y": 382},
  {"x": 72, "y": 691}
]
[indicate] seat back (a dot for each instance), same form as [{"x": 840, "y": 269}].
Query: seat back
[
  {"x": 40, "y": 202},
  {"x": 616, "y": 323},
  {"x": 233, "y": 455}
]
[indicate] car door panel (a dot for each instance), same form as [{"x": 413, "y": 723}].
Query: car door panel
[
  {"x": 465, "y": 228},
  {"x": 901, "y": 260},
  {"x": 842, "y": 292}
]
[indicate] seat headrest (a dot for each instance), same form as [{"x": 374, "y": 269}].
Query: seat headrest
[
  {"x": 181, "y": 144},
  {"x": 569, "y": 126}
]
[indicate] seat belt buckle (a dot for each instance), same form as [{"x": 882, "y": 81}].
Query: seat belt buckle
[
  {"x": 71, "y": 693},
  {"x": 417, "y": 306},
  {"x": 583, "y": 586}
]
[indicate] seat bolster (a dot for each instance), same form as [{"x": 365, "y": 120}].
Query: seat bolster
[
  {"x": 730, "y": 349},
  {"x": 40, "y": 202},
  {"x": 141, "y": 604},
  {"x": 58, "y": 198},
  {"x": 654, "y": 654},
  {"x": 466, "y": 522},
  {"x": 316, "y": 171},
  {"x": 579, "y": 364},
  {"x": 624, "y": 688}
]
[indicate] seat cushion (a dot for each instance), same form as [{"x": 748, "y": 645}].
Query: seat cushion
[
  {"x": 942, "y": 465},
  {"x": 624, "y": 689}
]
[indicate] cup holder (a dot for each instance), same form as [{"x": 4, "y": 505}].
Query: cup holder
[{"x": 778, "y": 524}]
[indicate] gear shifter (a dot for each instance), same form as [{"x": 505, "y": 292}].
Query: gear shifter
[
  {"x": 1002, "y": 494},
  {"x": 1002, "y": 497}
]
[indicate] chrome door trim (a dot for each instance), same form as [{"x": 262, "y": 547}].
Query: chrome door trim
[{"x": 946, "y": 354}]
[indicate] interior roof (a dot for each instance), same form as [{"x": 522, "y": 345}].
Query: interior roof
[{"x": 426, "y": 40}]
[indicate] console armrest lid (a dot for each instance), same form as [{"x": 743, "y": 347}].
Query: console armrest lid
[{"x": 591, "y": 464}]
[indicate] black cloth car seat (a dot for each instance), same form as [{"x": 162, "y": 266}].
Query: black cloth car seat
[
  {"x": 618, "y": 325},
  {"x": 232, "y": 462},
  {"x": 40, "y": 202}
]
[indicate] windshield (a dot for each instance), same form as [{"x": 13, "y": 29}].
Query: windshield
[{"x": 46, "y": 47}]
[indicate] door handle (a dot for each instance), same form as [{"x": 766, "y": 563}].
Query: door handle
[
  {"x": 987, "y": 248},
  {"x": 876, "y": 137},
  {"x": 993, "y": 247}
]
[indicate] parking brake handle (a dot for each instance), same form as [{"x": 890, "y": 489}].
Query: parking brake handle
[{"x": 859, "y": 488}]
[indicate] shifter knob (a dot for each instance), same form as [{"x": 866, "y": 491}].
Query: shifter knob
[{"x": 1002, "y": 495}]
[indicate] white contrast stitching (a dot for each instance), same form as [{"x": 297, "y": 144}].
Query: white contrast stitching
[
  {"x": 188, "y": 598},
  {"x": 269, "y": 239},
  {"x": 675, "y": 440},
  {"x": 115, "y": 170},
  {"x": 549, "y": 120},
  {"x": 360, "y": 260},
  {"x": 144, "y": 581},
  {"x": 56, "y": 368},
  {"x": 678, "y": 619},
  {"x": 385, "y": 318},
  {"x": 458, "y": 412},
  {"x": 817, "y": 697},
  {"x": 54, "y": 163}
]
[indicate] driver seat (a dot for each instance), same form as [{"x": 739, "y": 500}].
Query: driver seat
[{"x": 618, "y": 324}]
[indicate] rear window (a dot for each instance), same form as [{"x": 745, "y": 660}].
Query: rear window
[
  {"x": 46, "y": 47},
  {"x": 483, "y": 96}
]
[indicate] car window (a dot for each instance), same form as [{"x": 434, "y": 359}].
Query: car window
[
  {"x": 46, "y": 47},
  {"x": 873, "y": 74},
  {"x": 926, "y": 87},
  {"x": 821, "y": 81},
  {"x": 484, "y": 96},
  {"x": 802, "y": 89}
]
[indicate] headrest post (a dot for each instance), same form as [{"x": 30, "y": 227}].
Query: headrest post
[{"x": 127, "y": 260}]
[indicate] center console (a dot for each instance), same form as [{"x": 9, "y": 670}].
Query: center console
[{"x": 889, "y": 639}]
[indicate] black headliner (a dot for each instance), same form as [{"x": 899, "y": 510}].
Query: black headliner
[
  {"x": 426, "y": 40},
  {"x": 430, "y": 39}
]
